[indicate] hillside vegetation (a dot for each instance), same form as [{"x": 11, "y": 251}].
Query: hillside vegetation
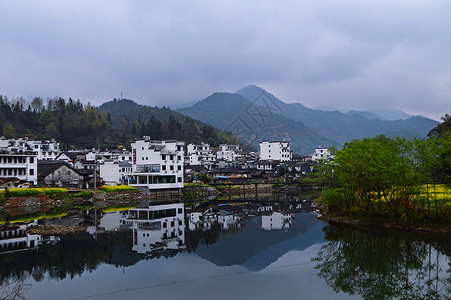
[{"x": 77, "y": 125}]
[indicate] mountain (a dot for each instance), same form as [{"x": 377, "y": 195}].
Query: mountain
[
  {"x": 340, "y": 127},
  {"x": 161, "y": 123},
  {"x": 365, "y": 114},
  {"x": 255, "y": 121}
]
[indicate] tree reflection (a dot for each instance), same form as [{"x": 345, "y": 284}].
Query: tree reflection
[{"x": 382, "y": 266}]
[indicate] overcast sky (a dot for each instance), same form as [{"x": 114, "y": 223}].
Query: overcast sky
[{"x": 347, "y": 54}]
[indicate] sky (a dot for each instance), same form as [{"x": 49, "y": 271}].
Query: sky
[{"x": 355, "y": 54}]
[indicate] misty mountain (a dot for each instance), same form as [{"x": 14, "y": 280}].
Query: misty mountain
[
  {"x": 255, "y": 121},
  {"x": 340, "y": 127},
  {"x": 161, "y": 123},
  {"x": 365, "y": 114}
]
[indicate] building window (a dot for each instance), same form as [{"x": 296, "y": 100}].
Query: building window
[
  {"x": 31, "y": 171},
  {"x": 163, "y": 167},
  {"x": 180, "y": 211},
  {"x": 179, "y": 168},
  {"x": 163, "y": 157},
  {"x": 179, "y": 179},
  {"x": 171, "y": 167},
  {"x": 179, "y": 157},
  {"x": 171, "y": 157}
]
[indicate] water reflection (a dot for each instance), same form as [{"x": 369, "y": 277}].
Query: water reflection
[
  {"x": 377, "y": 265},
  {"x": 254, "y": 237},
  {"x": 158, "y": 228}
]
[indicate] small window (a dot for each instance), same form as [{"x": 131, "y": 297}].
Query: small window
[
  {"x": 179, "y": 179},
  {"x": 31, "y": 171},
  {"x": 165, "y": 225},
  {"x": 180, "y": 211},
  {"x": 163, "y": 167},
  {"x": 171, "y": 167},
  {"x": 179, "y": 168}
]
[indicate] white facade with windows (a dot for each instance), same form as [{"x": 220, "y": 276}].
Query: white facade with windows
[
  {"x": 158, "y": 227},
  {"x": 200, "y": 154},
  {"x": 45, "y": 150},
  {"x": 114, "y": 172},
  {"x": 228, "y": 152},
  {"x": 275, "y": 151},
  {"x": 156, "y": 164},
  {"x": 321, "y": 153},
  {"x": 21, "y": 165}
]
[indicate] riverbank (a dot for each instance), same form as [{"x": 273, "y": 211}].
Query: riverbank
[{"x": 431, "y": 225}]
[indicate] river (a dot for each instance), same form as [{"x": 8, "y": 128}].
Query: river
[{"x": 210, "y": 251}]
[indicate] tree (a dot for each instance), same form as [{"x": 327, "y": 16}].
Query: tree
[
  {"x": 36, "y": 104},
  {"x": 9, "y": 131}
]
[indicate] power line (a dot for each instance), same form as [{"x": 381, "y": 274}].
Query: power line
[{"x": 183, "y": 281}]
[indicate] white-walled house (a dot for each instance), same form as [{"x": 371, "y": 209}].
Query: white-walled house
[
  {"x": 321, "y": 153},
  {"x": 45, "y": 150},
  {"x": 200, "y": 154},
  {"x": 114, "y": 172},
  {"x": 156, "y": 164},
  {"x": 158, "y": 227},
  {"x": 19, "y": 164},
  {"x": 228, "y": 152},
  {"x": 275, "y": 150}
]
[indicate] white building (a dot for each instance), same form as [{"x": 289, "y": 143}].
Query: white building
[
  {"x": 277, "y": 221},
  {"x": 158, "y": 227},
  {"x": 114, "y": 172},
  {"x": 156, "y": 164},
  {"x": 228, "y": 152},
  {"x": 200, "y": 154},
  {"x": 114, "y": 155},
  {"x": 45, "y": 150},
  {"x": 19, "y": 164},
  {"x": 275, "y": 151},
  {"x": 321, "y": 153}
]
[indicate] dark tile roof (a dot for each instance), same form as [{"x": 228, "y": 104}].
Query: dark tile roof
[{"x": 46, "y": 167}]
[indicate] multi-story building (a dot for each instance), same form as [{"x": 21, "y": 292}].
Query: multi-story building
[
  {"x": 156, "y": 164},
  {"x": 19, "y": 164},
  {"x": 113, "y": 172},
  {"x": 158, "y": 227},
  {"x": 321, "y": 153},
  {"x": 45, "y": 150},
  {"x": 200, "y": 155},
  {"x": 275, "y": 150},
  {"x": 228, "y": 152}
]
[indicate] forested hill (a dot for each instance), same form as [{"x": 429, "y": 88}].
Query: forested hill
[
  {"x": 84, "y": 126},
  {"x": 161, "y": 123}
]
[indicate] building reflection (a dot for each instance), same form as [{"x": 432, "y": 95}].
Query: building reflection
[
  {"x": 14, "y": 238},
  {"x": 205, "y": 220},
  {"x": 277, "y": 221},
  {"x": 157, "y": 228}
]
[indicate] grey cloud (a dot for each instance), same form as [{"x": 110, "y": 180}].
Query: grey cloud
[{"x": 358, "y": 54}]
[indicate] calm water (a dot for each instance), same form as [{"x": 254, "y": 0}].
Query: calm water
[{"x": 265, "y": 251}]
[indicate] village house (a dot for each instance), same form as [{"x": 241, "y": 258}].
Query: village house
[
  {"x": 321, "y": 153},
  {"x": 113, "y": 172},
  {"x": 228, "y": 152},
  {"x": 275, "y": 150},
  {"x": 19, "y": 164},
  {"x": 58, "y": 173},
  {"x": 200, "y": 155},
  {"x": 156, "y": 164}
]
